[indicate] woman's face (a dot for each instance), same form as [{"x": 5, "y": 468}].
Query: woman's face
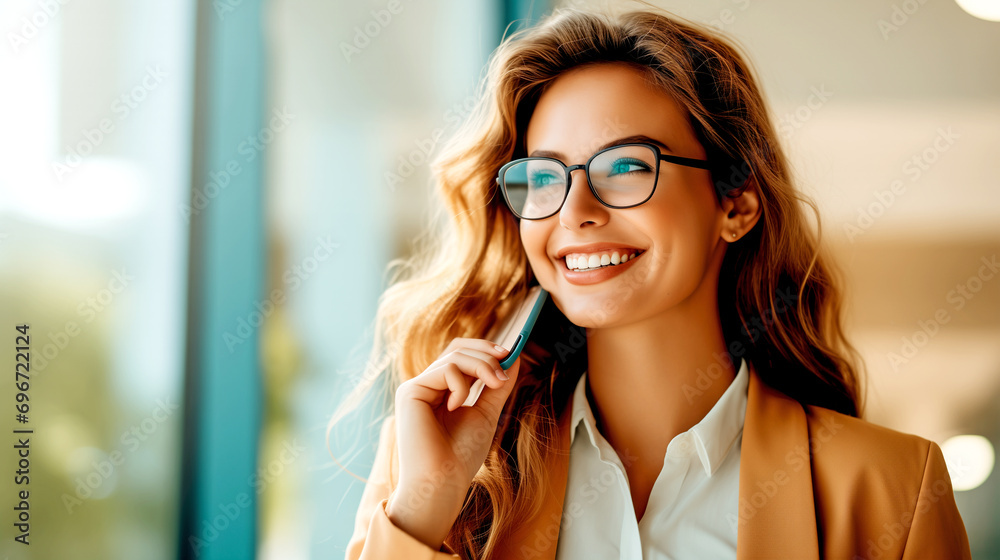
[{"x": 677, "y": 234}]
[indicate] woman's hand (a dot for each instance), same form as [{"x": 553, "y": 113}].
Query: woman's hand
[{"x": 442, "y": 444}]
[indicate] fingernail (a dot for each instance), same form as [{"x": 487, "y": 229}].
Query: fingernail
[
  {"x": 502, "y": 375},
  {"x": 499, "y": 348}
]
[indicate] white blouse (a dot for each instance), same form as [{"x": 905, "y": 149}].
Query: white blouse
[{"x": 693, "y": 505}]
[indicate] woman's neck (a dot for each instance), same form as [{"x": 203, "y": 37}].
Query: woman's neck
[{"x": 652, "y": 380}]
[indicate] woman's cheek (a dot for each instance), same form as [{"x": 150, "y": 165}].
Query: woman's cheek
[
  {"x": 542, "y": 269},
  {"x": 534, "y": 248}
]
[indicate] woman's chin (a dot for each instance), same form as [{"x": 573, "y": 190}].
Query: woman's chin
[{"x": 591, "y": 315}]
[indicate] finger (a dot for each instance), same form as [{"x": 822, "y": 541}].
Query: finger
[
  {"x": 431, "y": 386},
  {"x": 493, "y": 400},
  {"x": 458, "y": 383},
  {"x": 469, "y": 357},
  {"x": 482, "y": 365},
  {"x": 433, "y": 378},
  {"x": 478, "y": 344}
]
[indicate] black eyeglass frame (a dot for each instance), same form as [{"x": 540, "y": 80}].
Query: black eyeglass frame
[{"x": 678, "y": 160}]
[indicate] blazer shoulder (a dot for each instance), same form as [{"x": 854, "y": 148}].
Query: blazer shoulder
[
  {"x": 850, "y": 441},
  {"x": 851, "y": 457},
  {"x": 886, "y": 492}
]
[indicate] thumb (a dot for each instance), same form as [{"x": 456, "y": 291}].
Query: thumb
[{"x": 492, "y": 400}]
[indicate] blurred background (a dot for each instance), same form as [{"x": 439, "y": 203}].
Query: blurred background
[{"x": 198, "y": 201}]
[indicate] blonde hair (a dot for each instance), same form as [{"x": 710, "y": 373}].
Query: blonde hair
[{"x": 452, "y": 286}]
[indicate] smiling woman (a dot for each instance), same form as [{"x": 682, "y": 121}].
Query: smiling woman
[
  {"x": 673, "y": 223},
  {"x": 692, "y": 358}
]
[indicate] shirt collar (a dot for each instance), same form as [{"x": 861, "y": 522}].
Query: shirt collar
[{"x": 713, "y": 435}]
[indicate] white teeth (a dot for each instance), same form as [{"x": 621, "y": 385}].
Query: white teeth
[{"x": 587, "y": 262}]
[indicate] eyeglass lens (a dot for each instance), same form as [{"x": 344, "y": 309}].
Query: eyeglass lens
[{"x": 621, "y": 176}]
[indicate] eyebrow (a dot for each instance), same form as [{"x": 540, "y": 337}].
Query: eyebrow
[{"x": 638, "y": 138}]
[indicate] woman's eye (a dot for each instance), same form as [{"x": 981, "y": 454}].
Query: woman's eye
[
  {"x": 622, "y": 166},
  {"x": 544, "y": 179}
]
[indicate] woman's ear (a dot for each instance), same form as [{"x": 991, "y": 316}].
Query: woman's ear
[{"x": 742, "y": 212}]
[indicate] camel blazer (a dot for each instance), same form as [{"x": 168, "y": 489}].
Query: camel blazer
[{"x": 813, "y": 484}]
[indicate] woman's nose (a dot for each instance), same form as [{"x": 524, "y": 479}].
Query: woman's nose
[{"x": 581, "y": 206}]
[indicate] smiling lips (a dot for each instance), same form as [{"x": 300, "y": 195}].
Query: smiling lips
[
  {"x": 595, "y": 267},
  {"x": 586, "y": 261}
]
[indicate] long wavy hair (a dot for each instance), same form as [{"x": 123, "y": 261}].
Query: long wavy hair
[{"x": 451, "y": 287}]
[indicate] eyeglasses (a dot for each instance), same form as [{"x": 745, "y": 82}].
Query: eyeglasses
[{"x": 621, "y": 176}]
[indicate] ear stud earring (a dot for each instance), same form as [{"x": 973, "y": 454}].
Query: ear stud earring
[{"x": 734, "y": 235}]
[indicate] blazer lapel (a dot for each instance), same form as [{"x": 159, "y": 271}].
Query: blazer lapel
[{"x": 777, "y": 516}]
